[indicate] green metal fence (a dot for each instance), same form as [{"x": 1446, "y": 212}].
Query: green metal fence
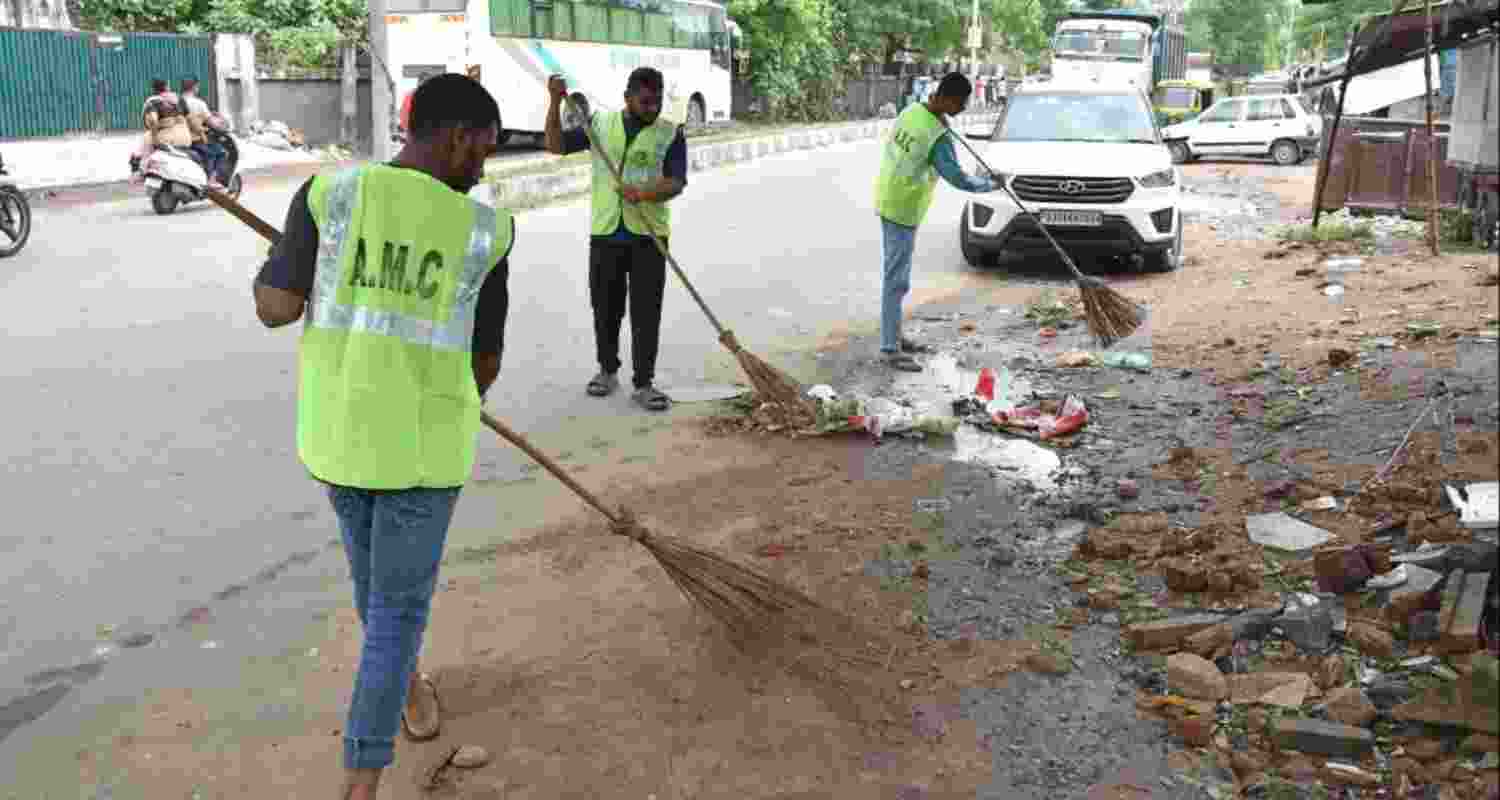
[{"x": 61, "y": 82}]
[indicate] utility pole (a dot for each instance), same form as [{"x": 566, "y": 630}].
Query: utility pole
[
  {"x": 380, "y": 87},
  {"x": 975, "y": 39}
]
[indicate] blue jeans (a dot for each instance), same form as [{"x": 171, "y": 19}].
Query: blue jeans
[
  {"x": 898, "y": 242},
  {"x": 394, "y": 541}
]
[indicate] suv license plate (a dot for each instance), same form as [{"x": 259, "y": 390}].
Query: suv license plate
[
  {"x": 1080, "y": 218},
  {"x": 153, "y": 183}
]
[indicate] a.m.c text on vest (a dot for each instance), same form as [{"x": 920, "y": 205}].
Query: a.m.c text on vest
[{"x": 393, "y": 276}]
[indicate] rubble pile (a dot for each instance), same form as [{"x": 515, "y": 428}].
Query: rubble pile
[
  {"x": 276, "y": 136},
  {"x": 1359, "y": 666}
]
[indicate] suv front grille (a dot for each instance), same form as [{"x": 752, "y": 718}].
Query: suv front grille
[{"x": 1062, "y": 189}]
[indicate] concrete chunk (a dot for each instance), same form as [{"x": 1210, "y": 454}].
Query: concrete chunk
[
  {"x": 1284, "y": 532},
  {"x": 1460, "y": 622},
  {"x": 1168, "y": 632},
  {"x": 1323, "y": 738},
  {"x": 1411, "y": 597},
  {"x": 1481, "y": 511}
]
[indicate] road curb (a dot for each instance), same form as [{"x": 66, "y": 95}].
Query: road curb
[
  {"x": 530, "y": 191},
  {"x": 107, "y": 191}
]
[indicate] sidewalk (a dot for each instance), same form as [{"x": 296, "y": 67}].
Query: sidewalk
[{"x": 96, "y": 159}]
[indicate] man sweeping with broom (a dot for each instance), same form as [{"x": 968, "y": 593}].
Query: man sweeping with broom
[
  {"x": 625, "y": 266},
  {"x": 915, "y": 153},
  {"x": 401, "y": 282}
]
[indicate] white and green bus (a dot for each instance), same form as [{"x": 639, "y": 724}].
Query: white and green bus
[{"x": 513, "y": 46}]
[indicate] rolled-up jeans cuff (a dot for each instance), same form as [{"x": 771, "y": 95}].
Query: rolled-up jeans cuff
[{"x": 368, "y": 753}]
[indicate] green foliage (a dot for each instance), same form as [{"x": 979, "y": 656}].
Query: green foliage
[
  {"x": 158, "y": 16},
  {"x": 288, "y": 33},
  {"x": 1327, "y": 27}
]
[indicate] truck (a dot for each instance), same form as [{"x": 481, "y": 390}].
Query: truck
[{"x": 1125, "y": 46}]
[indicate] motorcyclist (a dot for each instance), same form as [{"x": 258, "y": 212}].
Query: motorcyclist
[{"x": 210, "y": 154}]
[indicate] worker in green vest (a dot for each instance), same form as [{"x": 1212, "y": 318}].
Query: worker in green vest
[
  {"x": 915, "y": 153},
  {"x": 625, "y": 266},
  {"x": 400, "y": 282}
]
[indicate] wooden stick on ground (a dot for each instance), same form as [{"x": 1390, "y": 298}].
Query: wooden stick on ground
[
  {"x": 754, "y": 607},
  {"x": 770, "y": 383}
]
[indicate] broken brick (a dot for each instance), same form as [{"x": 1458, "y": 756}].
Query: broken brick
[
  {"x": 1341, "y": 570},
  {"x": 1322, "y": 738},
  {"x": 1196, "y": 677},
  {"x": 1210, "y": 642},
  {"x": 1185, "y": 576},
  {"x": 1196, "y": 731},
  {"x": 1371, "y": 640},
  {"x": 1102, "y": 544},
  {"x": 1459, "y": 621},
  {"x": 1168, "y": 632},
  {"x": 1350, "y": 706},
  {"x": 1417, "y": 594},
  {"x": 1454, "y": 705}
]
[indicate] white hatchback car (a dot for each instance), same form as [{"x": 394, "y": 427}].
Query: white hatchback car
[
  {"x": 1088, "y": 160},
  {"x": 1275, "y": 125}
]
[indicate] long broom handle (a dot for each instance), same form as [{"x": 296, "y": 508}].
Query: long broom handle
[
  {"x": 265, "y": 229},
  {"x": 614, "y": 172},
  {"x": 1024, "y": 210}
]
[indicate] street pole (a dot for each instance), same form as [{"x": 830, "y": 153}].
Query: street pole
[
  {"x": 1432, "y": 159},
  {"x": 380, "y": 88},
  {"x": 973, "y": 44}
]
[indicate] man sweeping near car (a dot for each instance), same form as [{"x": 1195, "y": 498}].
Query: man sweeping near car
[
  {"x": 916, "y": 152},
  {"x": 400, "y": 279}
]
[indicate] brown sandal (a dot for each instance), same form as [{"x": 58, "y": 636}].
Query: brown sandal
[{"x": 424, "y": 730}]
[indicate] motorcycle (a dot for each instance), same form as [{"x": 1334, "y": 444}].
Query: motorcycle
[
  {"x": 174, "y": 175},
  {"x": 15, "y": 216}
]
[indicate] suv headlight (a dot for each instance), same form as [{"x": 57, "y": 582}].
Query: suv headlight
[{"x": 1158, "y": 180}]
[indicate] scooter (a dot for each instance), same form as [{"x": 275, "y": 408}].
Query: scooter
[
  {"x": 15, "y": 216},
  {"x": 174, "y": 176}
]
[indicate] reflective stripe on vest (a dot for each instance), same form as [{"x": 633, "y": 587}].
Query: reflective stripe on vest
[
  {"x": 643, "y": 162},
  {"x": 324, "y": 310},
  {"x": 904, "y": 187}
]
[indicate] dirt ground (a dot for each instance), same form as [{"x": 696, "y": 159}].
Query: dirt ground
[{"x": 995, "y": 670}]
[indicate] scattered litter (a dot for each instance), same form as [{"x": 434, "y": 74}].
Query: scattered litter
[
  {"x": 1076, "y": 358},
  {"x": 1283, "y": 532},
  {"x": 1419, "y": 662},
  {"x": 1333, "y": 290},
  {"x": 1127, "y": 360},
  {"x": 881, "y": 417},
  {"x": 823, "y": 393},
  {"x": 210, "y": 645},
  {"x": 1442, "y": 671},
  {"x": 1427, "y": 553},
  {"x": 1422, "y": 330},
  {"x": 1108, "y": 394},
  {"x": 1071, "y": 417},
  {"x": 1395, "y": 577},
  {"x": 1478, "y": 504},
  {"x": 1047, "y": 333},
  {"x": 1321, "y": 504}
]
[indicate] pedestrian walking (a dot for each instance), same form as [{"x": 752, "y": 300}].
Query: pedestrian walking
[
  {"x": 915, "y": 153},
  {"x": 625, "y": 266},
  {"x": 400, "y": 280}
]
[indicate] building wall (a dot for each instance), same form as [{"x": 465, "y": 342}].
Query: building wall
[{"x": 313, "y": 105}]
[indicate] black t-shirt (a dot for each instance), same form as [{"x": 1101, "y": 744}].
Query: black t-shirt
[
  {"x": 576, "y": 140},
  {"x": 293, "y": 263}
]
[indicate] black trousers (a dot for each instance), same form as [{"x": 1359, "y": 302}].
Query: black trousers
[{"x": 632, "y": 272}]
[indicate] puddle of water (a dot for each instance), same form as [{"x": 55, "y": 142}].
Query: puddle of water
[{"x": 1014, "y": 459}]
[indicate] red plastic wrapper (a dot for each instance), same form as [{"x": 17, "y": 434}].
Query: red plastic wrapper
[
  {"x": 1071, "y": 417},
  {"x": 985, "y": 390}
]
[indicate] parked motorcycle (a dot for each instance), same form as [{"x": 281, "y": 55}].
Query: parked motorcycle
[
  {"x": 15, "y": 216},
  {"x": 174, "y": 176}
]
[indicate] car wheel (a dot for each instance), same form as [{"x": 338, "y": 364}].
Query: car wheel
[
  {"x": 974, "y": 256},
  {"x": 1180, "y": 152},
  {"x": 1286, "y": 152},
  {"x": 1171, "y": 259},
  {"x": 163, "y": 201}
]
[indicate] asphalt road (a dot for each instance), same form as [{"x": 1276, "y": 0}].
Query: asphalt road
[{"x": 150, "y": 464}]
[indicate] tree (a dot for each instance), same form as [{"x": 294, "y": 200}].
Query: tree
[
  {"x": 160, "y": 16},
  {"x": 295, "y": 33},
  {"x": 1327, "y": 27},
  {"x": 1019, "y": 25},
  {"x": 1238, "y": 31}
]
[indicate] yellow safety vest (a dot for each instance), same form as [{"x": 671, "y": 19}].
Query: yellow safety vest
[
  {"x": 643, "y": 164},
  {"x": 903, "y": 190},
  {"x": 386, "y": 396}
]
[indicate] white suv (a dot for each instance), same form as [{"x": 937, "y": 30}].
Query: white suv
[
  {"x": 1088, "y": 160},
  {"x": 1275, "y": 125}
]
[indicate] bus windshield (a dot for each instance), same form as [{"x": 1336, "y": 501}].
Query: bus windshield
[{"x": 1107, "y": 44}]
